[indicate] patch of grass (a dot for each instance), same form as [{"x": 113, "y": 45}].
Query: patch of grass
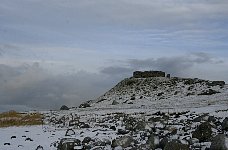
[{"x": 13, "y": 118}]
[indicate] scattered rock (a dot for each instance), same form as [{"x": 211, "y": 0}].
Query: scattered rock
[
  {"x": 153, "y": 142},
  {"x": 39, "y": 147},
  {"x": 85, "y": 126},
  {"x": 6, "y": 143},
  {"x": 70, "y": 132},
  {"x": 140, "y": 125},
  {"x": 132, "y": 98},
  {"x": 225, "y": 124},
  {"x": 86, "y": 140},
  {"x": 113, "y": 128},
  {"x": 122, "y": 131},
  {"x": 160, "y": 94},
  {"x": 20, "y": 146},
  {"x": 200, "y": 118},
  {"x": 84, "y": 105},
  {"x": 13, "y": 137},
  {"x": 67, "y": 144},
  {"x": 219, "y": 142},
  {"x": 115, "y": 102},
  {"x": 203, "y": 132},
  {"x": 154, "y": 119},
  {"x": 64, "y": 107},
  {"x": 124, "y": 141},
  {"x": 163, "y": 142},
  {"x": 209, "y": 92},
  {"x": 176, "y": 145},
  {"x": 28, "y": 139},
  {"x": 211, "y": 119},
  {"x": 215, "y": 83}
]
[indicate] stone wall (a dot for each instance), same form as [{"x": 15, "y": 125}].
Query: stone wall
[{"x": 148, "y": 74}]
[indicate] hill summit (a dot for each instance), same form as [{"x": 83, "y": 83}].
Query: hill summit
[{"x": 158, "y": 89}]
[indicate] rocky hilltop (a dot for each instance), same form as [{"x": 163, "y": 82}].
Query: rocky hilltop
[{"x": 155, "y": 89}]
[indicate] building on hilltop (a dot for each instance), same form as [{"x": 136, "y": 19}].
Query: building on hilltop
[{"x": 148, "y": 74}]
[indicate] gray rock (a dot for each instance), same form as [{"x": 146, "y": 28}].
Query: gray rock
[
  {"x": 203, "y": 132},
  {"x": 124, "y": 141},
  {"x": 140, "y": 125},
  {"x": 219, "y": 142},
  {"x": 163, "y": 142},
  {"x": 176, "y": 145},
  {"x": 152, "y": 142},
  {"x": 84, "y": 125},
  {"x": 70, "y": 132},
  {"x": 122, "y": 131},
  {"x": 84, "y": 105},
  {"x": 211, "y": 119},
  {"x": 86, "y": 140},
  {"x": 67, "y": 144},
  {"x": 39, "y": 147},
  {"x": 225, "y": 124},
  {"x": 200, "y": 118},
  {"x": 64, "y": 107},
  {"x": 115, "y": 102},
  {"x": 101, "y": 142},
  {"x": 209, "y": 92}
]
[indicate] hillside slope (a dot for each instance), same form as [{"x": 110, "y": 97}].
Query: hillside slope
[{"x": 163, "y": 92}]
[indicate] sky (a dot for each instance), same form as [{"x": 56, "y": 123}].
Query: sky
[{"x": 65, "y": 52}]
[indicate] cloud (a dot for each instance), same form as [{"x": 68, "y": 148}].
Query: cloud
[
  {"x": 129, "y": 12},
  {"x": 197, "y": 64},
  {"x": 81, "y": 22},
  {"x": 32, "y": 87},
  {"x": 116, "y": 70}
]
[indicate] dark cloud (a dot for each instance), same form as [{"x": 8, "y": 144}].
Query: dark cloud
[
  {"x": 33, "y": 87},
  {"x": 30, "y": 86}
]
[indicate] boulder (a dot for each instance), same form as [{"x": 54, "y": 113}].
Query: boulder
[
  {"x": 209, "y": 92},
  {"x": 163, "y": 142},
  {"x": 113, "y": 128},
  {"x": 122, "y": 131},
  {"x": 68, "y": 144},
  {"x": 84, "y": 105},
  {"x": 86, "y": 140},
  {"x": 115, "y": 102},
  {"x": 200, "y": 118},
  {"x": 153, "y": 141},
  {"x": 219, "y": 142},
  {"x": 39, "y": 147},
  {"x": 211, "y": 119},
  {"x": 140, "y": 126},
  {"x": 124, "y": 141},
  {"x": 176, "y": 145},
  {"x": 203, "y": 132},
  {"x": 225, "y": 124},
  {"x": 64, "y": 107},
  {"x": 70, "y": 132}
]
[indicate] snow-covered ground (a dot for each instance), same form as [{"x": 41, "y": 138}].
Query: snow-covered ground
[
  {"x": 49, "y": 135},
  {"x": 149, "y": 118}
]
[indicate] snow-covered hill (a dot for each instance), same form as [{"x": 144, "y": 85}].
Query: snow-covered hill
[
  {"x": 155, "y": 113},
  {"x": 163, "y": 92}
]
